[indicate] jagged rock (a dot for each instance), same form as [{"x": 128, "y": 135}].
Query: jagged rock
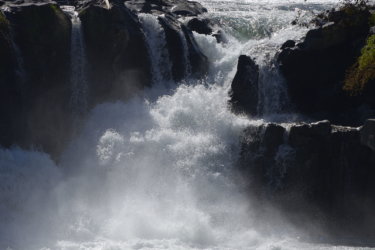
[
  {"x": 201, "y": 26},
  {"x": 305, "y": 134},
  {"x": 198, "y": 62},
  {"x": 117, "y": 51},
  {"x": 180, "y": 40},
  {"x": 185, "y": 55},
  {"x": 206, "y": 27},
  {"x": 288, "y": 44},
  {"x": 244, "y": 88},
  {"x": 259, "y": 146},
  {"x": 368, "y": 134},
  {"x": 328, "y": 170},
  {"x": 175, "y": 45},
  {"x": 315, "y": 68},
  {"x": 37, "y": 99}
]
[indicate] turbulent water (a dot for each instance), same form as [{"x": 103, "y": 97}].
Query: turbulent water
[{"x": 157, "y": 172}]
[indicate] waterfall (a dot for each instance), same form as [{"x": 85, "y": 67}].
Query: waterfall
[
  {"x": 273, "y": 93},
  {"x": 157, "y": 173},
  {"x": 185, "y": 54},
  {"x": 20, "y": 69},
  {"x": 157, "y": 48},
  {"x": 78, "y": 74}
]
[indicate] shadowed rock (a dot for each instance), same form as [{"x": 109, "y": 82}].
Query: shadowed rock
[
  {"x": 244, "y": 88},
  {"x": 37, "y": 98},
  {"x": 320, "y": 170},
  {"x": 119, "y": 65},
  {"x": 315, "y": 68}
]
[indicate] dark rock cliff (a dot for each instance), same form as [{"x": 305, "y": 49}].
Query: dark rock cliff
[
  {"x": 315, "y": 69},
  {"x": 318, "y": 169},
  {"x": 34, "y": 104},
  {"x": 119, "y": 64},
  {"x": 36, "y": 63}
]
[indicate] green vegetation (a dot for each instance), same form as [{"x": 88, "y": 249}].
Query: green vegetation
[
  {"x": 364, "y": 69},
  {"x": 4, "y": 24},
  {"x": 372, "y": 20}
]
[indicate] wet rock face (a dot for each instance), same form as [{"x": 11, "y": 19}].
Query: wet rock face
[
  {"x": 322, "y": 166},
  {"x": 244, "y": 88},
  {"x": 185, "y": 55},
  {"x": 368, "y": 134},
  {"x": 175, "y": 46},
  {"x": 36, "y": 86},
  {"x": 206, "y": 27},
  {"x": 201, "y": 26},
  {"x": 119, "y": 65},
  {"x": 35, "y": 41},
  {"x": 315, "y": 68}
]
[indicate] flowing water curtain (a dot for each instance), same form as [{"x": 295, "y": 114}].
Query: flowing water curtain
[
  {"x": 78, "y": 65},
  {"x": 157, "y": 48}
]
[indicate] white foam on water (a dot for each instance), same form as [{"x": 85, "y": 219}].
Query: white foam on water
[{"x": 156, "y": 172}]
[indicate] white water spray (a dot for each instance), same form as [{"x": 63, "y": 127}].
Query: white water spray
[{"x": 148, "y": 174}]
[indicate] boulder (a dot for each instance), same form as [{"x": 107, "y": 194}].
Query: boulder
[
  {"x": 244, "y": 89},
  {"x": 315, "y": 68},
  {"x": 206, "y": 27},
  {"x": 119, "y": 64},
  {"x": 201, "y": 26}
]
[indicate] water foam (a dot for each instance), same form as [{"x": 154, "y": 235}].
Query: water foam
[{"x": 157, "y": 172}]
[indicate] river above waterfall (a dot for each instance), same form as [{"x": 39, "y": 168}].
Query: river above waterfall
[{"x": 159, "y": 171}]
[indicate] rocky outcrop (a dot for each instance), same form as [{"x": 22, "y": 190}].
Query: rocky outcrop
[
  {"x": 119, "y": 64},
  {"x": 34, "y": 85},
  {"x": 315, "y": 68},
  {"x": 206, "y": 27},
  {"x": 36, "y": 62},
  {"x": 244, "y": 88},
  {"x": 317, "y": 166},
  {"x": 185, "y": 55}
]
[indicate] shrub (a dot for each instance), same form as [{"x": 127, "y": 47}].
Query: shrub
[{"x": 363, "y": 70}]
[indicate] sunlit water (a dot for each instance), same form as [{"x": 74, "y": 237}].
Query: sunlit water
[{"x": 157, "y": 172}]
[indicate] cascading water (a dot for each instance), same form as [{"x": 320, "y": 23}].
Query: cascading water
[
  {"x": 185, "y": 55},
  {"x": 78, "y": 79},
  {"x": 161, "y": 65},
  {"x": 155, "y": 173}
]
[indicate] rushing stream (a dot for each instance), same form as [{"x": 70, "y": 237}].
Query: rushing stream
[{"x": 157, "y": 172}]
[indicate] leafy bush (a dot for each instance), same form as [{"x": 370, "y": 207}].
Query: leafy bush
[{"x": 364, "y": 69}]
